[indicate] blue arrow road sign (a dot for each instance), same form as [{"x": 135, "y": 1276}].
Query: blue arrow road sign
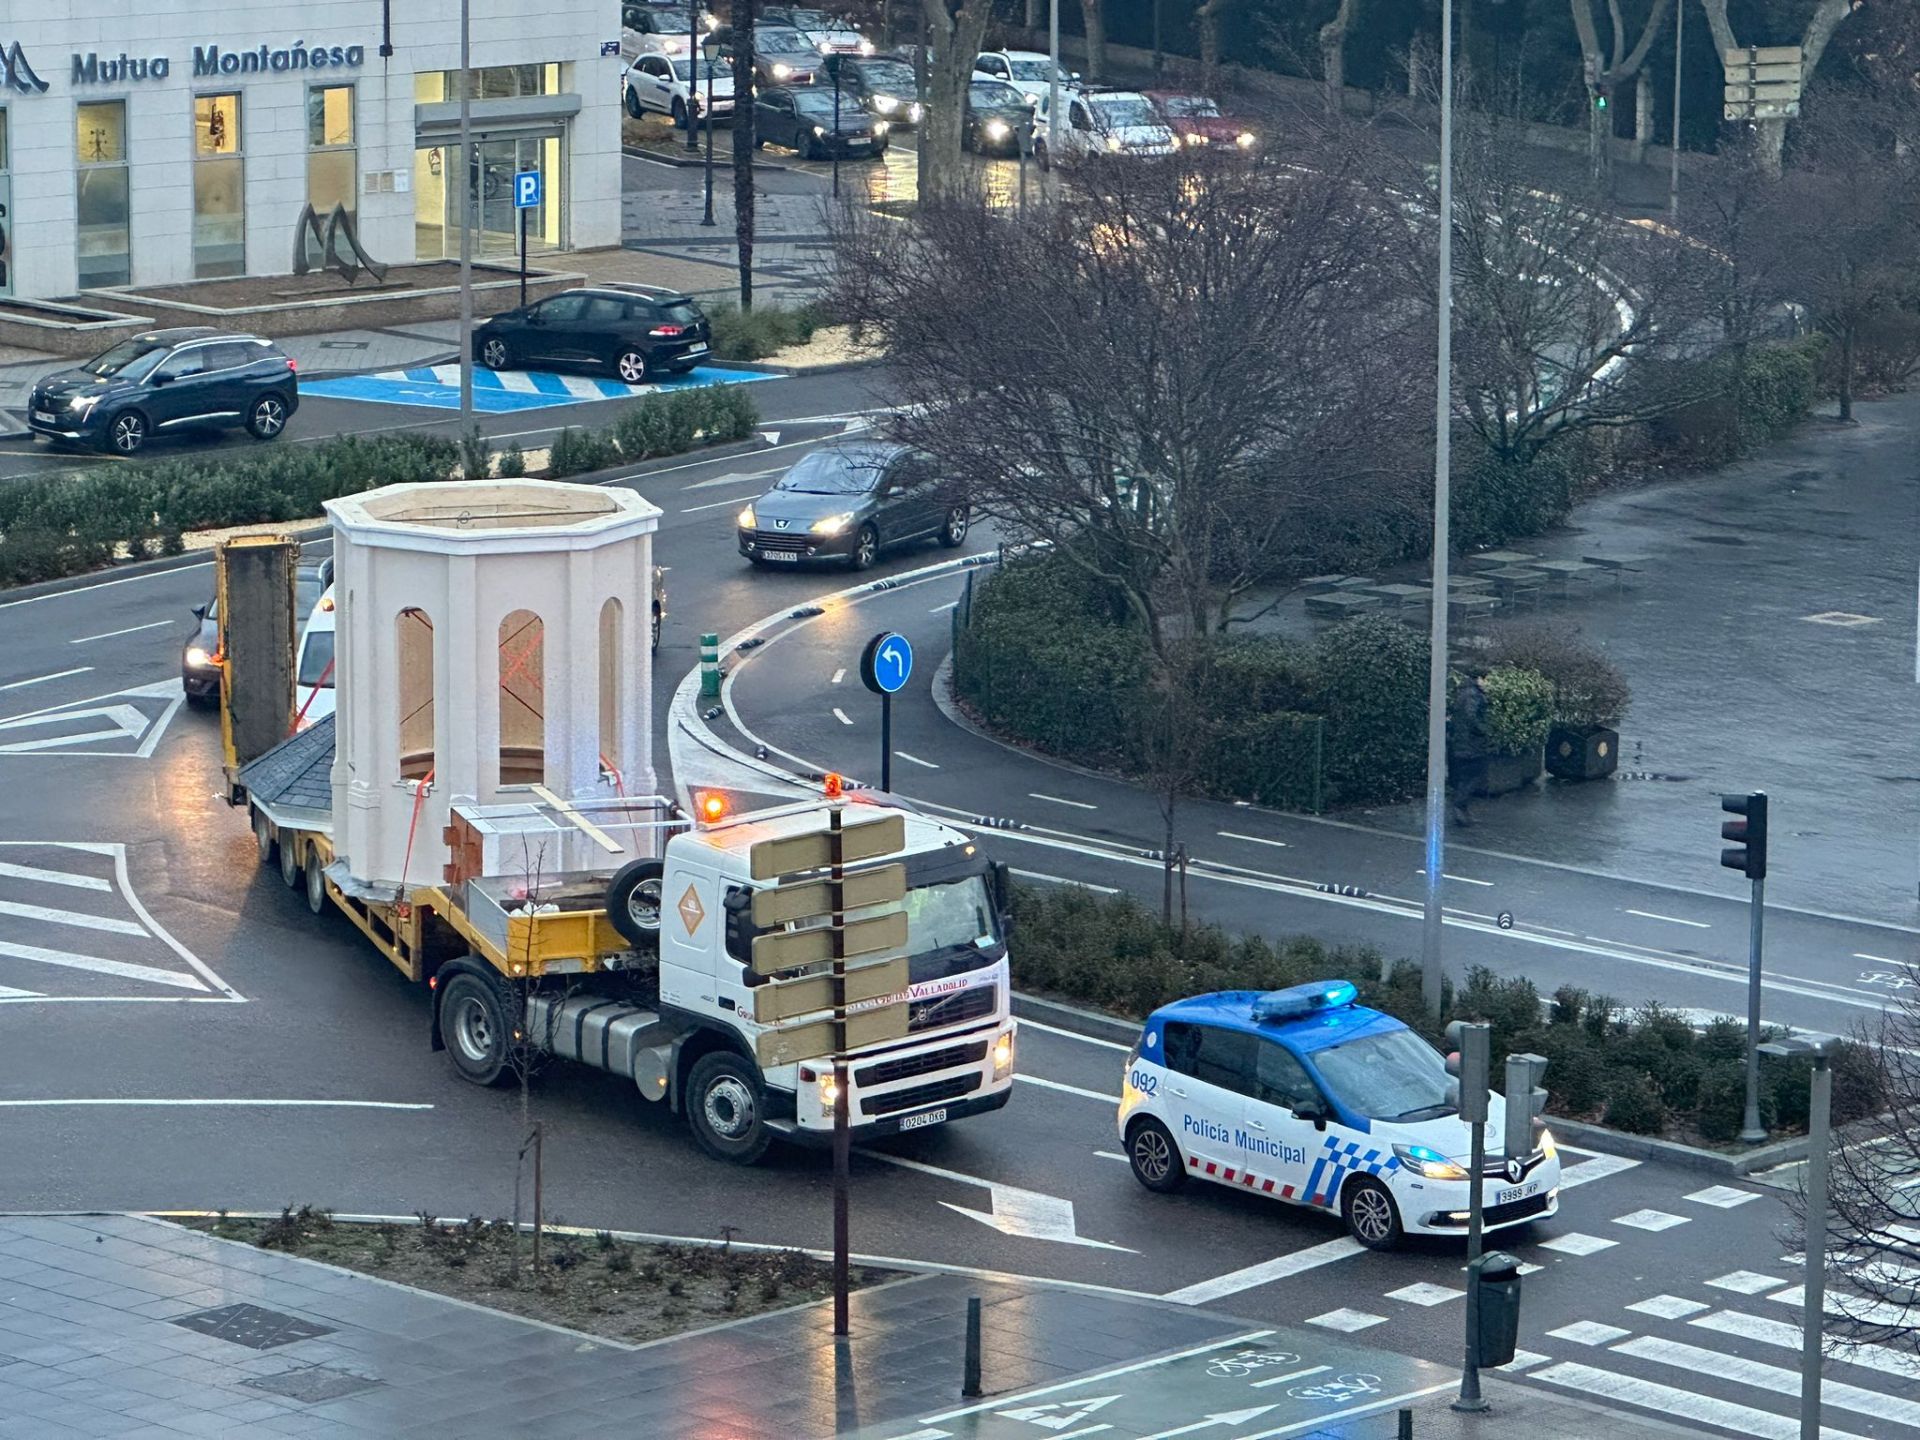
[
  {"x": 526, "y": 189},
  {"x": 887, "y": 663}
]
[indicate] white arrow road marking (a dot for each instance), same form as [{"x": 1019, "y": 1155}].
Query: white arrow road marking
[
  {"x": 1061, "y": 1414},
  {"x": 71, "y": 917},
  {"x": 7, "y": 992},
  {"x": 1152, "y": 1362},
  {"x": 769, "y": 437},
  {"x": 1024, "y": 1213},
  {"x": 52, "y": 877},
  {"x": 124, "y": 969},
  {"x": 130, "y": 630},
  {"x": 735, "y": 477},
  {"x": 129, "y": 721},
  {"x": 42, "y": 679},
  {"x": 126, "y": 720},
  {"x": 1224, "y": 1417}
]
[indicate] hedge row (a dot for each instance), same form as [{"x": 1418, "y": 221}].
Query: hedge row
[
  {"x": 1649, "y": 1070},
  {"x": 66, "y": 523},
  {"x": 1760, "y": 394}
]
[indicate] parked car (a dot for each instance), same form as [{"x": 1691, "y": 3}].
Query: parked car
[
  {"x": 673, "y": 19},
  {"x": 1026, "y": 70},
  {"x": 314, "y": 671},
  {"x": 783, "y": 56},
  {"x": 827, "y": 35},
  {"x": 885, "y": 88},
  {"x": 659, "y": 85},
  {"x": 1197, "y": 120},
  {"x": 801, "y": 117},
  {"x": 1120, "y": 121},
  {"x": 165, "y": 381},
  {"x": 849, "y": 502},
  {"x": 996, "y": 119},
  {"x": 200, "y": 671},
  {"x": 640, "y": 336}
]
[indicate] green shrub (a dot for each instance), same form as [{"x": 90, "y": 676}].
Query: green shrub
[
  {"x": 1633, "y": 1104},
  {"x": 476, "y": 455},
  {"x": 1497, "y": 499},
  {"x": 1720, "y": 1102},
  {"x": 580, "y": 452},
  {"x": 1859, "y": 1082},
  {"x": 1373, "y": 686},
  {"x": 513, "y": 461},
  {"x": 1576, "y": 1069},
  {"x": 761, "y": 331},
  {"x": 1722, "y": 1038},
  {"x": 1749, "y": 397},
  {"x": 1519, "y": 709},
  {"x": 1587, "y": 687},
  {"x": 1569, "y": 1001},
  {"x": 1510, "y": 1004}
]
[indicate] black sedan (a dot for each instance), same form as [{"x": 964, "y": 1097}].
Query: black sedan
[
  {"x": 997, "y": 118},
  {"x": 801, "y": 117},
  {"x": 642, "y": 336},
  {"x": 885, "y": 88},
  {"x": 847, "y": 503}
]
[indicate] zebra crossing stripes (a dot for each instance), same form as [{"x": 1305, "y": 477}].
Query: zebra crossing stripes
[
  {"x": 1597, "y": 1384},
  {"x": 499, "y": 392}
]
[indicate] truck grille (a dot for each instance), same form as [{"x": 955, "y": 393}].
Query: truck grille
[
  {"x": 932, "y": 1093},
  {"x": 953, "y": 1009},
  {"x": 888, "y": 1071}
]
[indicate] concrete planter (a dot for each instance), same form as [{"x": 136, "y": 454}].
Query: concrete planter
[
  {"x": 1508, "y": 773},
  {"x": 76, "y": 331}
]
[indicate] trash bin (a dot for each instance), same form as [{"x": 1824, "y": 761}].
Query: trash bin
[{"x": 1499, "y": 1280}]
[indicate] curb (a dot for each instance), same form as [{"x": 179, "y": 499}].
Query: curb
[
  {"x": 1090, "y": 1024},
  {"x": 1737, "y": 1165}
]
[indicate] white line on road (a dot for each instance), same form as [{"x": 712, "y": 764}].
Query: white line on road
[
  {"x": 1372, "y": 1408},
  {"x": 1463, "y": 879},
  {"x": 1291, "y": 1375},
  {"x": 1063, "y": 880},
  {"x": 734, "y": 478},
  {"x": 948, "y": 606},
  {"x": 1026, "y": 1395},
  {"x": 1670, "y": 919},
  {"x": 841, "y": 716},
  {"x": 1073, "y": 1034},
  {"x": 1069, "y": 1089},
  {"x": 1251, "y": 839},
  {"x": 1779, "y": 1333},
  {"x": 216, "y": 1104},
  {"x": 148, "y": 973},
  {"x": 1055, "y": 799},
  {"x": 716, "y": 505},
  {"x": 1266, "y": 1272},
  {"x": 1877, "y": 959},
  {"x": 1110, "y": 1155},
  {"x": 7, "y": 992},
  {"x": 70, "y": 917},
  {"x": 52, "y": 877},
  {"x": 915, "y": 759},
  {"x": 838, "y": 676},
  {"x": 1758, "y": 1376},
  {"x": 1594, "y": 1383},
  {"x": 130, "y": 630},
  {"x": 1598, "y": 1168},
  {"x": 42, "y": 679}
]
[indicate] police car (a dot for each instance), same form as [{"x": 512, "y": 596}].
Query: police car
[{"x": 1306, "y": 1096}]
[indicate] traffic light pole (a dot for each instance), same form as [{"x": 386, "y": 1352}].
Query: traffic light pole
[
  {"x": 1751, "y": 1130},
  {"x": 1470, "y": 1398},
  {"x": 842, "y": 1146}
]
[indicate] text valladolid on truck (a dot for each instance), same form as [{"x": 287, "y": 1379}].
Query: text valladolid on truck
[{"x": 481, "y": 806}]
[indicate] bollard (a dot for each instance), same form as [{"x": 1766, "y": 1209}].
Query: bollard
[
  {"x": 970, "y": 1381},
  {"x": 1406, "y": 1425},
  {"x": 709, "y": 666}
]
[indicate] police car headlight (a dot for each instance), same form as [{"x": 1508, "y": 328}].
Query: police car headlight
[
  {"x": 1547, "y": 1147},
  {"x": 1002, "y": 1053},
  {"x": 1429, "y": 1164}
]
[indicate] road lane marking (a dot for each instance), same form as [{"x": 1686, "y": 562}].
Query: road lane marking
[
  {"x": 841, "y": 716},
  {"x": 838, "y": 676},
  {"x": 1779, "y": 1333},
  {"x": 71, "y": 917},
  {"x": 52, "y": 877},
  {"x": 1008, "y": 1401},
  {"x": 1670, "y": 919},
  {"x": 1281, "y": 1267},
  {"x": 7, "y": 992},
  {"x": 951, "y": 604},
  {"x": 130, "y": 630},
  {"x": 716, "y": 505},
  {"x": 1056, "y": 800},
  {"x": 153, "y": 1103},
  {"x": 1595, "y": 1383},
  {"x": 735, "y": 477},
  {"x": 1463, "y": 879},
  {"x": 1318, "y": 1424},
  {"x": 915, "y": 759},
  {"x": 1063, "y": 880},
  {"x": 1026, "y": 1024},
  {"x": 1111, "y": 1155},
  {"x": 1290, "y": 1375},
  {"x": 1104, "y": 1099},
  {"x": 1877, "y": 959},
  {"x": 1759, "y": 1376},
  {"x": 149, "y": 973},
  {"x": 1251, "y": 839},
  {"x": 1016, "y": 1211},
  {"x": 42, "y": 679}
]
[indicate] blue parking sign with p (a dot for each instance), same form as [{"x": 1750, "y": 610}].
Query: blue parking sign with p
[{"x": 526, "y": 189}]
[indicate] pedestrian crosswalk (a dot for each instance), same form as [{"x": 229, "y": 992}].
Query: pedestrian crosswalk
[
  {"x": 496, "y": 392},
  {"x": 73, "y": 929}
]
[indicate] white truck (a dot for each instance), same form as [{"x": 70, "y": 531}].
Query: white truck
[{"x": 468, "y": 809}]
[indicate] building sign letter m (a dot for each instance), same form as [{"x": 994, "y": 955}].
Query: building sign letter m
[{"x": 16, "y": 73}]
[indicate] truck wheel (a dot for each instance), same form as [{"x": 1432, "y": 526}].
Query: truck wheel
[
  {"x": 474, "y": 1024},
  {"x": 633, "y": 901},
  {"x": 1372, "y": 1217},
  {"x": 724, "y": 1108},
  {"x": 290, "y": 865},
  {"x": 1154, "y": 1157},
  {"x": 316, "y": 881},
  {"x": 263, "y": 840}
]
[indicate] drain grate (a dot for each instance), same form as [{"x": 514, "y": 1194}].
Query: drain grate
[
  {"x": 312, "y": 1384},
  {"x": 253, "y": 1326}
]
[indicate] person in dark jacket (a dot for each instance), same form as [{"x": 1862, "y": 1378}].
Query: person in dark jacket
[{"x": 1469, "y": 746}]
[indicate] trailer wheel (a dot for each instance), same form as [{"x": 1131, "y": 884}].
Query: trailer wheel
[
  {"x": 263, "y": 840},
  {"x": 316, "y": 881},
  {"x": 290, "y": 864},
  {"x": 726, "y": 1109},
  {"x": 474, "y": 1025},
  {"x": 634, "y": 901}
]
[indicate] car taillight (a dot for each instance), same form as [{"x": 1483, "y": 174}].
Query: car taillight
[
  {"x": 292, "y": 364},
  {"x": 668, "y": 331}
]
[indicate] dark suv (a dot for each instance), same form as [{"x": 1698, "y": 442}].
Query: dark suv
[
  {"x": 165, "y": 381},
  {"x": 639, "y": 335}
]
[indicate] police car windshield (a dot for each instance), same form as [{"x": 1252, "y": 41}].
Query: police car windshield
[{"x": 1391, "y": 1076}]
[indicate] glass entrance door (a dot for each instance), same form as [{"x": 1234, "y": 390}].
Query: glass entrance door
[{"x": 496, "y": 224}]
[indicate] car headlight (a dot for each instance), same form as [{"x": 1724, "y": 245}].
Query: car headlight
[
  {"x": 198, "y": 657},
  {"x": 781, "y": 70},
  {"x": 747, "y": 521},
  {"x": 1244, "y": 139},
  {"x": 886, "y": 104},
  {"x": 1547, "y": 1146},
  {"x": 1113, "y": 142},
  {"x": 712, "y": 22},
  {"x": 997, "y": 130},
  {"x": 1428, "y": 1163},
  {"x": 826, "y": 47},
  {"x": 866, "y": 47},
  {"x": 914, "y": 112},
  {"x": 1002, "y": 1053},
  {"x": 819, "y": 130},
  {"x": 833, "y": 524},
  {"x": 1196, "y": 138},
  {"x": 880, "y": 127},
  {"x": 82, "y": 405}
]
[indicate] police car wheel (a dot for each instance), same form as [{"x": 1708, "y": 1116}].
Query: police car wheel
[
  {"x": 1372, "y": 1217},
  {"x": 1154, "y": 1157}
]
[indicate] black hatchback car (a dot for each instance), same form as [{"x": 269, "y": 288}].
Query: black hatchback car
[
  {"x": 848, "y": 502},
  {"x": 640, "y": 336},
  {"x": 801, "y": 118},
  {"x": 166, "y": 381}
]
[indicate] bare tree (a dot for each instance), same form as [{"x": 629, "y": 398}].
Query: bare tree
[
  {"x": 743, "y": 88},
  {"x": 1609, "y": 73},
  {"x": 1333, "y": 54},
  {"x": 954, "y": 30},
  {"x": 1823, "y": 18},
  {"x": 1093, "y": 18}
]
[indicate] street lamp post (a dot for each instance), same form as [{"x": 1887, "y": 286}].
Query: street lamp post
[
  {"x": 1053, "y": 81},
  {"x": 693, "y": 81},
  {"x": 465, "y": 197},
  {"x": 711, "y": 50},
  {"x": 1819, "y": 1117},
  {"x": 833, "y": 140},
  {"x": 1679, "y": 50}
]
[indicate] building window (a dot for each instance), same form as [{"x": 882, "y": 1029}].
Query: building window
[
  {"x": 413, "y": 638},
  {"x": 104, "y": 242},
  {"x": 495, "y": 82},
  {"x": 613, "y": 675},
  {"x": 6, "y": 212},
  {"x": 523, "y": 700},
  {"x": 333, "y": 159},
  {"x": 219, "y": 188}
]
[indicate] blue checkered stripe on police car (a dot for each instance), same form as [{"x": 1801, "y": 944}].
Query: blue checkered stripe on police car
[{"x": 1340, "y": 1158}]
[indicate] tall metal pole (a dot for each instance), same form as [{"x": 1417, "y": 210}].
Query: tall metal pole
[
  {"x": 693, "y": 77},
  {"x": 465, "y": 198},
  {"x": 1431, "y": 965},
  {"x": 1679, "y": 53},
  {"x": 886, "y": 742},
  {"x": 1751, "y": 1130},
  {"x": 842, "y": 1145},
  {"x": 1470, "y": 1398},
  {"x": 833, "y": 145},
  {"x": 1812, "y": 1321},
  {"x": 1053, "y": 82},
  {"x": 706, "y": 63}
]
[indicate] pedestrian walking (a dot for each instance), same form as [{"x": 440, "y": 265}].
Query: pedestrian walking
[{"x": 1469, "y": 746}]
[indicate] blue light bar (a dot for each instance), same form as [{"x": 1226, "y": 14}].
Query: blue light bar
[{"x": 1301, "y": 1000}]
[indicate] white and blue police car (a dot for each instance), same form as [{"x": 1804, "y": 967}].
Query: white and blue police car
[{"x": 1306, "y": 1096}]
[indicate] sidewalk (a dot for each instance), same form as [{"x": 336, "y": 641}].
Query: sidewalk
[{"x": 127, "y": 1327}]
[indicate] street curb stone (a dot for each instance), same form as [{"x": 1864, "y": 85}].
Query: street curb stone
[
  {"x": 1672, "y": 1152},
  {"x": 1089, "y": 1023}
]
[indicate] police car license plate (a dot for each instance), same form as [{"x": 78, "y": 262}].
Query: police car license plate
[
  {"x": 45, "y": 417},
  {"x": 1517, "y": 1192},
  {"x": 924, "y": 1118}
]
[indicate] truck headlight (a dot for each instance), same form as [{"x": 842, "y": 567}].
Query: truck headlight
[
  {"x": 1428, "y": 1163},
  {"x": 198, "y": 657},
  {"x": 833, "y": 524},
  {"x": 1113, "y": 142},
  {"x": 1002, "y": 1053},
  {"x": 914, "y": 112},
  {"x": 746, "y": 518}
]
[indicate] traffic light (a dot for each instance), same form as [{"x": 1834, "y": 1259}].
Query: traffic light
[
  {"x": 1470, "y": 1062},
  {"x": 1600, "y": 100},
  {"x": 1525, "y": 1101},
  {"x": 1748, "y": 853}
]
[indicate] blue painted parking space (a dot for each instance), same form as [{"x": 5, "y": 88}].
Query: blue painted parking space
[{"x": 498, "y": 392}]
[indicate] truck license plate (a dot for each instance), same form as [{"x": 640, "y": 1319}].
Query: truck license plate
[
  {"x": 1517, "y": 1192},
  {"x": 924, "y": 1118}
]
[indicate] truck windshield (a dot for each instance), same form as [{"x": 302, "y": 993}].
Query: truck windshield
[
  {"x": 1391, "y": 1076},
  {"x": 955, "y": 916}
]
